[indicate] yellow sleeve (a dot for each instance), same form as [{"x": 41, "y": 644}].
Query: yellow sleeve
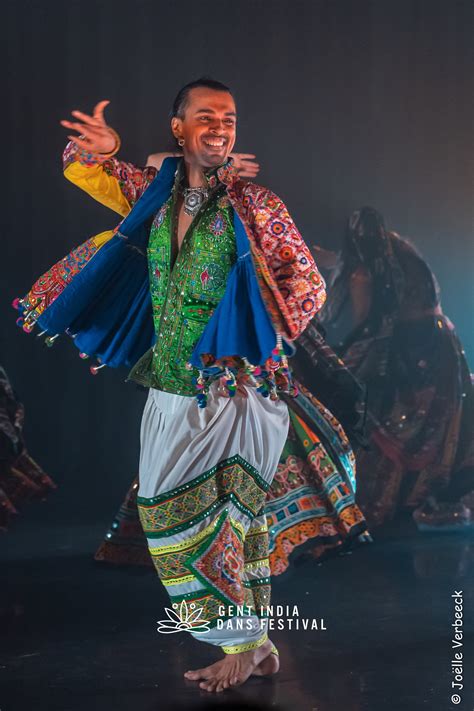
[
  {"x": 100, "y": 185},
  {"x": 115, "y": 183}
]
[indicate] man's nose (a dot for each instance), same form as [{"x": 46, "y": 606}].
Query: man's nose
[{"x": 217, "y": 125}]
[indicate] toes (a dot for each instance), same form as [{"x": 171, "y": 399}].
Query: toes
[
  {"x": 207, "y": 685},
  {"x": 196, "y": 674}
]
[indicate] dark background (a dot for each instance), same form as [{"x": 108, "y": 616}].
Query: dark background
[{"x": 344, "y": 102}]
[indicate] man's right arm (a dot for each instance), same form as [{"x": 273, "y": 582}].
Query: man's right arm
[
  {"x": 112, "y": 182},
  {"x": 90, "y": 164}
]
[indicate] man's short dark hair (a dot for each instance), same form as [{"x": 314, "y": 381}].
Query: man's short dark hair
[{"x": 180, "y": 103}]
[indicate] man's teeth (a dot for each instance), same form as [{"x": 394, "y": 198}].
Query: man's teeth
[{"x": 216, "y": 143}]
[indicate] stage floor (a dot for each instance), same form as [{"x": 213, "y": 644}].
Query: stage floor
[{"x": 78, "y": 635}]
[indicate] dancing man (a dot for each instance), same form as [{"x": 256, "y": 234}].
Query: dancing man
[{"x": 201, "y": 288}]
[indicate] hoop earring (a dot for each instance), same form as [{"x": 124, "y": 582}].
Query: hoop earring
[{"x": 181, "y": 142}]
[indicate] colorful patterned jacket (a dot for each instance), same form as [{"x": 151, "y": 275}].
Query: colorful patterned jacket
[{"x": 290, "y": 284}]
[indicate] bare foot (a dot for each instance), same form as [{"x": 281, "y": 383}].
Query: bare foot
[
  {"x": 268, "y": 666},
  {"x": 231, "y": 671}
]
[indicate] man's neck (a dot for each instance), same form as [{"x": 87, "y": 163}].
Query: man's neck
[{"x": 194, "y": 175}]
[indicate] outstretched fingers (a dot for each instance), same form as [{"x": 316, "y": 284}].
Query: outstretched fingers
[
  {"x": 246, "y": 164},
  {"x": 98, "y": 112},
  {"x": 246, "y": 156},
  {"x": 85, "y": 118},
  {"x": 82, "y": 128},
  {"x": 92, "y": 127},
  {"x": 97, "y": 118},
  {"x": 86, "y": 137}
]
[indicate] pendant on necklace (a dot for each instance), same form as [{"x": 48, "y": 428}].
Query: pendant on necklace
[{"x": 193, "y": 199}]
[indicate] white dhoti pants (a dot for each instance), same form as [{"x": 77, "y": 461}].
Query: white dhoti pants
[{"x": 203, "y": 475}]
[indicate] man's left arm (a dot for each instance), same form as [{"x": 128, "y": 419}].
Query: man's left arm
[{"x": 291, "y": 264}]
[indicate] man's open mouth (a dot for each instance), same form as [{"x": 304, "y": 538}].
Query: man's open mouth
[{"x": 216, "y": 143}]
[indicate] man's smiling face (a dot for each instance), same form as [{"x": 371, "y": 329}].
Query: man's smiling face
[{"x": 208, "y": 127}]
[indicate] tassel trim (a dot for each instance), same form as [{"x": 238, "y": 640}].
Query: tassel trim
[{"x": 270, "y": 378}]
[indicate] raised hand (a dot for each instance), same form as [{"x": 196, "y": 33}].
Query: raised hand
[
  {"x": 95, "y": 136},
  {"x": 246, "y": 164}
]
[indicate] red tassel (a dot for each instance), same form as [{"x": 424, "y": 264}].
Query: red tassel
[{"x": 94, "y": 369}]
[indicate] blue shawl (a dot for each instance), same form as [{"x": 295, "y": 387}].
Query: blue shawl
[{"x": 107, "y": 306}]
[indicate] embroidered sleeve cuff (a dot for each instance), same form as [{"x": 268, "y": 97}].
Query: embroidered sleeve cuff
[{"x": 72, "y": 153}]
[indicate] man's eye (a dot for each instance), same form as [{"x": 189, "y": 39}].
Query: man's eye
[
  {"x": 204, "y": 118},
  {"x": 230, "y": 122}
]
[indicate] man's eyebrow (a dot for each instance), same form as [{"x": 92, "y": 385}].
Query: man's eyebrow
[{"x": 212, "y": 111}]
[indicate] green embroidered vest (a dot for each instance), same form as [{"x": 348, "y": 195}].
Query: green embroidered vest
[{"x": 185, "y": 290}]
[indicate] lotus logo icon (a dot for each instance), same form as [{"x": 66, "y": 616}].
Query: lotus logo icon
[{"x": 183, "y": 619}]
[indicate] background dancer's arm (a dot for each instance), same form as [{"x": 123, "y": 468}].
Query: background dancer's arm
[
  {"x": 114, "y": 183},
  {"x": 327, "y": 259},
  {"x": 360, "y": 291}
]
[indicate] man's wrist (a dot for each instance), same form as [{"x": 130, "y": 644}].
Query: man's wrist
[
  {"x": 116, "y": 148},
  {"x": 91, "y": 158}
]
